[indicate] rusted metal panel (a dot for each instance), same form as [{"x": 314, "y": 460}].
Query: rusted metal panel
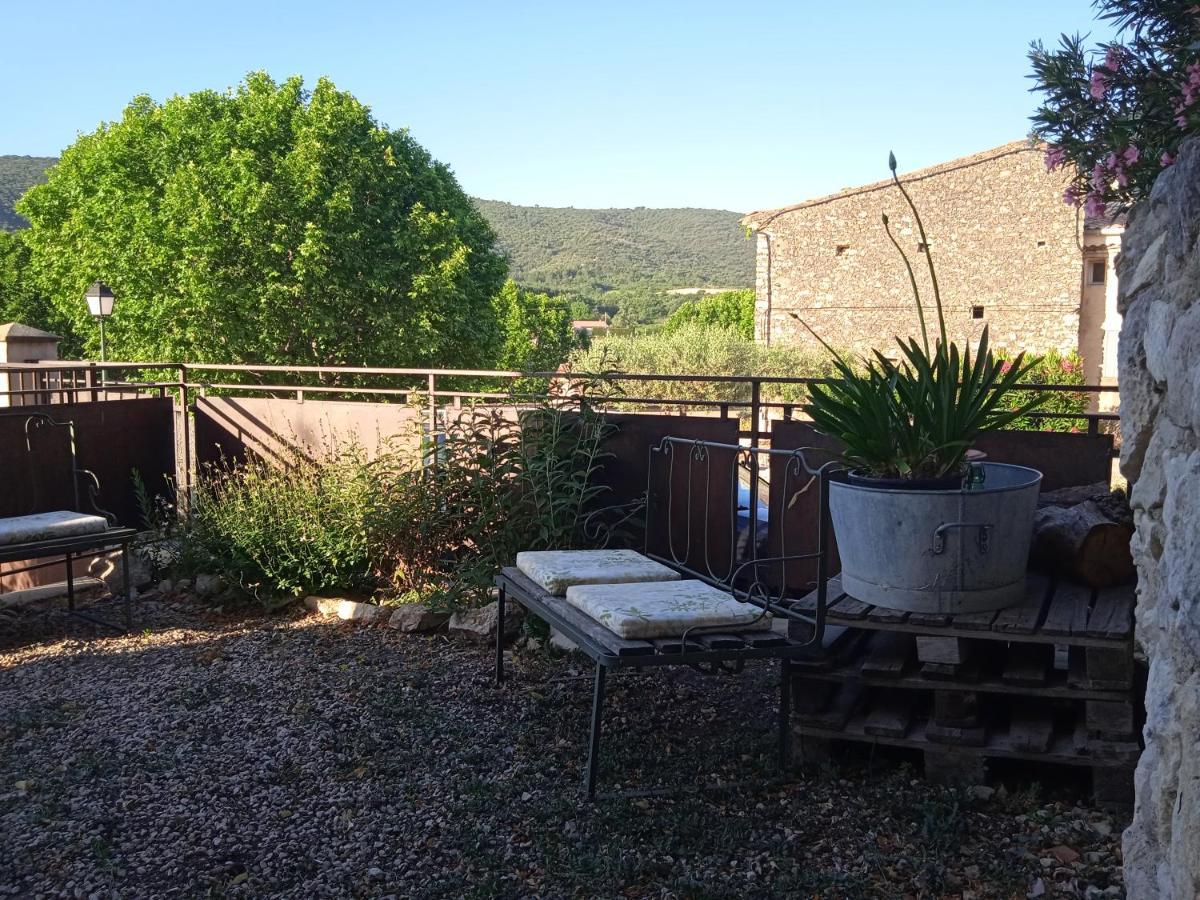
[
  {"x": 626, "y": 470},
  {"x": 794, "y": 502},
  {"x": 112, "y": 438},
  {"x": 275, "y": 428},
  {"x": 1064, "y": 458}
]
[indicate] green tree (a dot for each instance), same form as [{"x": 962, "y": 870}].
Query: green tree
[
  {"x": 20, "y": 300},
  {"x": 267, "y": 224},
  {"x": 538, "y": 336},
  {"x": 729, "y": 309}
]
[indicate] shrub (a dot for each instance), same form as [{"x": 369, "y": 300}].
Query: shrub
[
  {"x": 283, "y": 530},
  {"x": 1052, "y": 368},
  {"x": 733, "y": 310}
]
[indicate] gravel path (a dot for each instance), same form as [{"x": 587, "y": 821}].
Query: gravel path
[{"x": 253, "y": 756}]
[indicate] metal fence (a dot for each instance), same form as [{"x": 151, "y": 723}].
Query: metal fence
[{"x": 754, "y": 402}]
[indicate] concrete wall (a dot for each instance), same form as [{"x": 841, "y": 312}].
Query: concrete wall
[
  {"x": 1002, "y": 240},
  {"x": 1160, "y": 455}
]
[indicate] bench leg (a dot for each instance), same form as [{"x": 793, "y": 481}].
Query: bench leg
[
  {"x": 128, "y": 588},
  {"x": 785, "y": 714},
  {"x": 70, "y": 582},
  {"x": 593, "y": 760},
  {"x": 500, "y": 638}
]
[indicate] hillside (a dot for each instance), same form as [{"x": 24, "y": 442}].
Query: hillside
[
  {"x": 17, "y": 175},
  {"x": 590, "y": 251},
  {"x": 585, "y": 251}
]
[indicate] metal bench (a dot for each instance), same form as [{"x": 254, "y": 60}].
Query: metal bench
[
  {"x": 73, "y": 533},
  {"x": 691, "y": 524}
]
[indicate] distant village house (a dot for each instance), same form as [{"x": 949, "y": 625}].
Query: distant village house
[{"x": 1009, "y": 254}]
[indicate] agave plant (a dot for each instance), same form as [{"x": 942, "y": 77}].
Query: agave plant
[{"x": 917, "y": 417}]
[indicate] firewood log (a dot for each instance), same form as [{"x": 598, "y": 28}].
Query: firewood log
[{"x": 1083, "y": 543}]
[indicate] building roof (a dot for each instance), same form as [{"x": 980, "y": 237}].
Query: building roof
[
  {"x": 761, "y": 218},
  {"x": 589, "y": 323},
  {"x": 16, "y": 331}
]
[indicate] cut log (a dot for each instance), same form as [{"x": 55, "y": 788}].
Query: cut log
[{"x": 1084, "y": 544}]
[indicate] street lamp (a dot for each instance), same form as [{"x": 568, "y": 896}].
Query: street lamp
[{"x": 100, "y": 301}]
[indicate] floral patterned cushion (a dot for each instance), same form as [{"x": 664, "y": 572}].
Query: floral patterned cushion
[
  {"x": 47, "y": 525},
  {"x": 640, "y": 611},
  {"x": 557, "y": 570}
]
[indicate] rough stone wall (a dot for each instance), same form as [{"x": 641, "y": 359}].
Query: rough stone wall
[
  {"x": 1001, "y": 236},
  {"x": 1160, "y": 423}
]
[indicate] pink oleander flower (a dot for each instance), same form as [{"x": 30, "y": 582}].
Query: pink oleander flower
[
  {"x": 1068, "y": 365},
  {"x": 1100, "y": 177},
  {"x": 1071, "y": 196},
  {"x": 1181, "y": 121},
  {"x": 1005, "y": 366},
  {"x": 1055, "y": 157},
  {"x": 1112, "y": 59},
  {"x": 1099, "y": 83},
  {"x": 1131, "y": 155},
  {"x": 1166, "y": 159},
  {"x": 1095, "y": 207}
]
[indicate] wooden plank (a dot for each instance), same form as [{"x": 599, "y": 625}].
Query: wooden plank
[
  {"x": 1112, "y": 614},
  {"x": 1028, "y": 664},
  {"x": 890, "y": 714},
  {"x": 721, "y": 641},
  {"x": 552, "y": 607},
  {"x": 759, "y": 639},
  {"x": 1030, "y": 729},
  {"x": 980, "y": 621},
  {"x": 1101, "y": 669},
  {"x": 838, "y": 710},
  {"x": 886, "y": 616},
  {"x": 1025, "y": 618},
  {"x": 1110, "y": 720},
  {"x": 956, "y": 719},
  {"x": 1066, "y": 612},
  {"x": 928, "y": 620},
  {"x": 889, "y": 655},
  {"x": 848, "y": 609},
  {"x": 947, "y": 650},
  {"x": 833, "y": 591},
  {"x": 956, "y": 735},
  {"x": 810, "y": 697}
]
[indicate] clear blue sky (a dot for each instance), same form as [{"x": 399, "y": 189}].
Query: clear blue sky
[{"x": 739, "y": 105}]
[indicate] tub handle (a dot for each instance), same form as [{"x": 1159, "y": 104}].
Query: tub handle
[{"x": 939, "y": 535}]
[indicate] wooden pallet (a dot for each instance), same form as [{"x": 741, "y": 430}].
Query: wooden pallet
[{"x": 1051, "y": 680}]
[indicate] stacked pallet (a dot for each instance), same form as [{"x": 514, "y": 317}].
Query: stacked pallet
[{"x": 1050, "y": 680}]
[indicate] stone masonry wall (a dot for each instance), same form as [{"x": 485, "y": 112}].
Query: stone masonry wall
[
  {"x": 1160, "y": 424},
  {"x": 1001, "y": 236}
]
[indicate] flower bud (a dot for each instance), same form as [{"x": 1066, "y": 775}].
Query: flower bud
[{"x": 892, "y": 161}]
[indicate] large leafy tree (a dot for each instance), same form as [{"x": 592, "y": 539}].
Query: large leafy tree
[
  {"x": 538, "y": 336},
  {"x": 267, "y": 224},
  {"x": 728, "y": 309}
]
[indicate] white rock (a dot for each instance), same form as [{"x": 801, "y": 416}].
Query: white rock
[
  {"x": 413, "y": 617},
  {"x": 344, "y": 608},
  {"x": 207, "y": 585},
  {"x": 480, "y": 624}
]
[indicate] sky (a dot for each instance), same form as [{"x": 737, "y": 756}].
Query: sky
[{"x": 734, "y": 105}]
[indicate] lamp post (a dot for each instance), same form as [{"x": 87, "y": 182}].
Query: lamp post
[{"x": 100, "y": 300}]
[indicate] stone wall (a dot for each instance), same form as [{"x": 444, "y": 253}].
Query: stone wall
[
  {"x": 1160, "y": 423},
  {"x": 1006, "y": 249}
]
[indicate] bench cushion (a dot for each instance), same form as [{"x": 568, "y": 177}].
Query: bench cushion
[
  {"x": 641, "y": 611},
  {"x": 49, "y": 525},
  {"x": 556, "y": 570}
]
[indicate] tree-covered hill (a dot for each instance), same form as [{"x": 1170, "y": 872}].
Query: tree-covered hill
[
  {"x": 616, "y": 258},
  {"x": 17, "y": 175},
  {"x": 590, "y": 251}
]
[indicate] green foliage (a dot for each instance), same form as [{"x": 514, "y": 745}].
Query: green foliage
[
  {"x": 598, "y": 252},
  {"x": 1114, "y": 116},
  {"x": 729, "y": 309},
  {"x": 279, "y": 531},
  {"x": 538, "y": 336},
  {"x": 20, "y": 299},
  {"x": 918, "y": 417},
  {"x": 691, "y": 349},
  {"x": 1052, "y": 368},
  {"x": 498, "y": 483},
  {"x": 17, "y": 175},
  {"x": 268, "y": 224}
]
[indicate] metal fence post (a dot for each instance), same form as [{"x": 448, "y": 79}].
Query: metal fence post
[{"x": 432, "y": 406}]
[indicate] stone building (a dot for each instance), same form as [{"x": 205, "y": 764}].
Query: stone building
[{"x": 1009, "y": 254}]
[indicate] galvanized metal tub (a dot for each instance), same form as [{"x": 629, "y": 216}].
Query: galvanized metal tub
[{"x": 937, "y": 551}]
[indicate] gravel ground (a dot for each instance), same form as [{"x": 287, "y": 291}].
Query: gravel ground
[{"x": 217, "y": 755}]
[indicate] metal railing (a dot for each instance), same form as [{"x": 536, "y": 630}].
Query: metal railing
[{"x": 434, "y": 390}]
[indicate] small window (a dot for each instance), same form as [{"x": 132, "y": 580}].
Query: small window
[
  {"x": 976, "y": 312},
  {"x": 1041, "y": 243},
  {"x": 842, "y": 248},
  {"x": 1098, "y": 272}
]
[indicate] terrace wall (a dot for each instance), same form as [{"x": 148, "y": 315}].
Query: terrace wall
[{"x": 1160, "y": 424}]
